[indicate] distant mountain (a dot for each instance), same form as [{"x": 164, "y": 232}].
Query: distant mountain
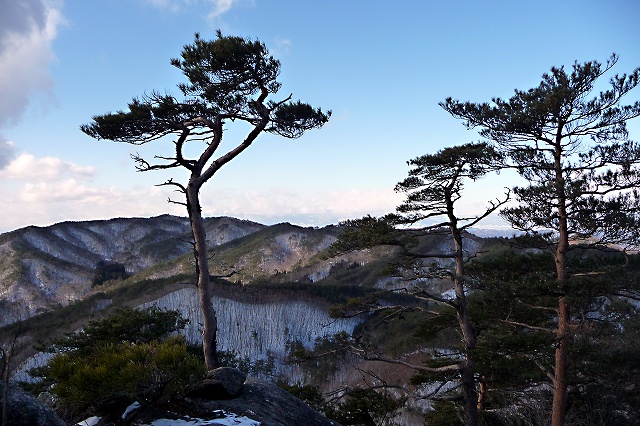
[
  {"x": 274, "y": 288},
  {"x": 44, "y": 267},
  {"x": 269, "y": 298}
]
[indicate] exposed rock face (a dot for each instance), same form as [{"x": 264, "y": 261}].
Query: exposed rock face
[
  {"x": 257, "y": 329},
  {"x": 25, "y": 410},
  {"x": 268, "y": 404},
  {"x": 221, "y": 383}
]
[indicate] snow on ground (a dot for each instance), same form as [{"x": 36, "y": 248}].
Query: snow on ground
[
  {"x": 226, "y": 420},
  {"x": 130, "y": 408},
  {"x": 91, "y": 421}
]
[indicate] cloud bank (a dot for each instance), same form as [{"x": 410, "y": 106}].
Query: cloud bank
[
  {"x": 47, "y": 190},
  {"x": 46, "y": 169},
  {"x": 313, "y": 208},
  {"x": 27, "y": 30},
  {"x": 44, "y": 191}
]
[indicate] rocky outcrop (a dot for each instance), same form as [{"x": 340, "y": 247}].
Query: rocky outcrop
[
  {"x": 268, "y": 404},
  {"x": 225, "y": 398},
  {"x": 223, "y": 394},
  {"x": 221, "y": 383},
  {"x": 24, "y": 409}
]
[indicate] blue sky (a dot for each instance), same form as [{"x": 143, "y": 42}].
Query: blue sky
[{"x": 380, "y": 66}]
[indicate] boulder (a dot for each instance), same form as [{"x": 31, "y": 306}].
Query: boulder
[
  {"x": 259, "y": 402},
  {"x": 25, "y": 409},
  {"x": 266, "y": 403},
  {"x": 221, "y": 383}
]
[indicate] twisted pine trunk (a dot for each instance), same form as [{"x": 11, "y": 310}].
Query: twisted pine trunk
[
  {"x": 209, "y": 319},
  {"x": 464, "y": 322}
]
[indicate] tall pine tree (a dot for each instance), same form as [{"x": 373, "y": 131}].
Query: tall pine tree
[
  {"x": 572, "y": 147},
  {"x": 229, "y": 80},
  {"x": 433, "y": 188}
]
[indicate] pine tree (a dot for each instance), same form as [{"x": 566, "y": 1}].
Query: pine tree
[
  {"x": 229, "y": 80},
  {"x": 434, "y": 185},
  {"x": 573, "y": 149}
]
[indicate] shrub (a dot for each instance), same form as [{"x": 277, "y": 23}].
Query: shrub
[
  {"x": 113, "y": 362},
  {"x": 125, "y": 325},
  {"x": 365, "y": 407},
  {"x": 151, "y": 372},
  {"x": 443, "y": 414},
  {"x": 311, "y": 395},
  {"x": 107, "y": 271}
]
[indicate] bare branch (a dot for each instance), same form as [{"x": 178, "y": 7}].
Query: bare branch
[
  {"x": 530, "y": 327},
  {"x": 542, "y": 368},
  {"x": 443, "y": 369},
  {"x": 438, "y": 388},
  {"x": 143, "y": 165},
  {"x": 180, "y": 203},
  {"x": 171, "y": 182}
]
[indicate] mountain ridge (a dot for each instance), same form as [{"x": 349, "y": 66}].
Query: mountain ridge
[
  {"x": 272, "y": 287},
  {"x": 44, "y": 267}
]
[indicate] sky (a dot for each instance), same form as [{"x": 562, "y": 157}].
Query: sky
[{"x": 380, "y": 66}]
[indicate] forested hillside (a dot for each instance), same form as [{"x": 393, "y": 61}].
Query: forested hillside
[{"x": 280, "y": 284}]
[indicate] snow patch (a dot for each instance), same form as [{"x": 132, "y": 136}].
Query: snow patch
[
  {"x": 227, "y": 419},
  {"x": 91, "y": 421},
  {"x": 130, "y": 408}
]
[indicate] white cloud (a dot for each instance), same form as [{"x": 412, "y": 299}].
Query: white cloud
[
  {"x": 171, "y": 5},
  {"x": 97, "y": 201},
  {"x": 304, "y": 208},
  {"x": 28, "y": 167},
  {"x": 62, "y": 191},
  {"x": 220, "y": 7},
  {"x": 217, "y": 7},
  {"x": 43, "y": 191},
  {"x": 27, "y": 29},
  {"x": 282, "y": 47},
  {"x": 46, "y": 203}
]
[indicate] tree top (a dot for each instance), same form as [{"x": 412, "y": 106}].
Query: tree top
[{"x": 228, "y": 78}]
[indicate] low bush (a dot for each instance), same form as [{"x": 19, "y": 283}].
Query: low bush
[
  {"x": 148, "y": 373},
  {"x": 116, "y": 361}
]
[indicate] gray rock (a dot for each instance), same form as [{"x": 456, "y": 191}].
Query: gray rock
[
  {"x": 221, "y": 383},
  {"x": 261, "y": 401},
  {"x": 24, "y": 409},
  {"x": 268, "y": 404}
]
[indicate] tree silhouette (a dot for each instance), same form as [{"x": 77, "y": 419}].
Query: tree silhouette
[
  {"x": 582, "y": 169},
  {"x": 229, "y": 81}
]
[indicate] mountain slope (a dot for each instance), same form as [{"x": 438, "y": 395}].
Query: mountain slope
[
  {"x": 279, "y": 284},
  {"x": 41, "y": 267}
]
